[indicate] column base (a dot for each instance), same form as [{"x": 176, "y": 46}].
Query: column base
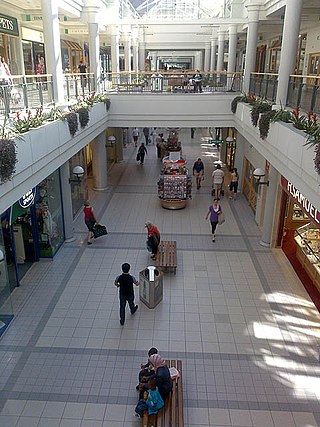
[
  {"x": 265, "y": 244},
  {"x": 71, "y": 239},
  {"x": 100, "y": 189}
]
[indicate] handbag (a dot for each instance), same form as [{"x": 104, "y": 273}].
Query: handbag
[
  {"x": 99, "y": 230},
  {"x": 221, "y": 218},
  {"x": 138, "y": 157}
]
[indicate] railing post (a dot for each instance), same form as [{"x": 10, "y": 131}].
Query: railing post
[
  {"x": 300, "y": 92},
  {"x": 40, "y": 93},
  {"x": 267, "y": 85},
  {"x": 68, "y": 88},
  {"x": 274, "y": 90},
  {"x": 76, "y": 86},
  {"x": 314, "y": 97},
  {"x": 25, "y": 93}
]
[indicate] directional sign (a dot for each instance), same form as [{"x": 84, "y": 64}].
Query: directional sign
[{"x": 215, "y": 141}]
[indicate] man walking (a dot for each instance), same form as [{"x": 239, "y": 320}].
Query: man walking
[
  {"x": 146, "y": 133},
  {"x": 125, "y": 284},
  {"x": 217, "y": 181},
  {"x": 135, "y": 136},
  {"x": 198, "y": 172}
]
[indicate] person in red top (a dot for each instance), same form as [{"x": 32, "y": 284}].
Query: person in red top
[
  {"x": 89, "y": 219},
  {"x": 153, "y": 239}
]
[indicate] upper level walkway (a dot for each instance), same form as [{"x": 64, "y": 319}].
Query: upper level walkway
[{"x": 235, "y": 313}]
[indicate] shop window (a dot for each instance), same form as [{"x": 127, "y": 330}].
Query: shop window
[{"x": 49, "y": 216}]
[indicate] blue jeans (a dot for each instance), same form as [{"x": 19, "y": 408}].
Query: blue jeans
[{"x": 123, "y": 303}]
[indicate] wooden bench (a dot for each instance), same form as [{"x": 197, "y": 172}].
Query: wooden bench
[
  {"x": 167, "y": 255},
  {"x": 172, "y": 413}
]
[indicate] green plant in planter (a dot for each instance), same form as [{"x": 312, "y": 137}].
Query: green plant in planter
[
  {"x": 72, "y": 120},
  {"x": 8, "y": 159},
  {"x": 83, "y": 116},
  {"x": 298, "y": 121},
  {"x": 282, "y": 115},
  {"x": 264, "y": 123},
  {"x": 236, "y": 100},
  {"x": 54, "y": 114},
  {"x": 259, "y": 107}
]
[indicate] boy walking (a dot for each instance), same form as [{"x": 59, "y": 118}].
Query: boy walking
[{"x": 125, "y": 284}]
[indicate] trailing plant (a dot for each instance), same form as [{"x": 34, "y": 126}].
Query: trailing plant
[
  {"x": 264, "y": 123},
  {"x": 72, "y": 120},
  {"x": 317, "y": 158},
  {"x": 83, "y": 116},
  {"x": 8, "y": 159},
  {"x": 236, "y": 100},
  {"x": 260, "y": 106}
]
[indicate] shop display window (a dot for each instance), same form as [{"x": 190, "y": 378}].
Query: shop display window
[
  {"x": 308, "y": 239},
  {"x": 49, "y": 215},
  {"x": 6, "y": 311}
]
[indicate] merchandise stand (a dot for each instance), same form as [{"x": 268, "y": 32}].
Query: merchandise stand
[{"x": 174, "y": 185}]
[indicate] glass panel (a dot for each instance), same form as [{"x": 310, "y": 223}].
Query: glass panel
[
  {"x": 49, "y": 215},
  {"x": 6, "y": 312}
]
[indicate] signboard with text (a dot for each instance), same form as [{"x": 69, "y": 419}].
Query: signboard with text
[
  {"x": 301, "y": 200},
  {"x": 8, "y": 25}
]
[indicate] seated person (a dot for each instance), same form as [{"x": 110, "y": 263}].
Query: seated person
[
  {"x": 153, "y": 401},
  {"x": 147, "y": 369},
  {"x": 162, "y": 375}
]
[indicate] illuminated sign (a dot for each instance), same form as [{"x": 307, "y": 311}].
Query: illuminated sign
[
  {"x": 27, "y": 199},
  {"x": 301, "y": 200}
]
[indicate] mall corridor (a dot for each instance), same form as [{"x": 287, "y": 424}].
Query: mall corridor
[{"x": 235, "y": 314}]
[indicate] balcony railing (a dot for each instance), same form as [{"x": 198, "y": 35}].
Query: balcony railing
[
  {"x": 35, "y": 91},
  {"x": 264, "y": 85},
  {"x": 170, "y": 82},
  {"x": 303, "y": 91}
]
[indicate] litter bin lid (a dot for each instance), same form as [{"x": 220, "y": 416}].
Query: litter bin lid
[{"x": 152, "y": 273}]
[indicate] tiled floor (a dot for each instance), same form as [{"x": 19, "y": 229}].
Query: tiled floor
[{"x": 235, "y": 313}]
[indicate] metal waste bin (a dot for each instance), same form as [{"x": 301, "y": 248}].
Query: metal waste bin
[
  {"x": 151, "y": 286},
  {"x": 156, "y": 82}
]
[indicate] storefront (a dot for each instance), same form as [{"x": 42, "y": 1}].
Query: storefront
[
  {"x": 299, "y": 231},
  {"x": 33, "y": 51},
  {"x": 250, "y": 185},
  {"x": 33, "y": 228},
  {"x": 71, "y": 53},
  {"x": 6, "y": 311},
  {"x": 79, "y": 188}
]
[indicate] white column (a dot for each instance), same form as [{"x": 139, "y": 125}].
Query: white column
[
  {"x": 220, "y": 60},
  {"x": 51, "y": 34},
  {"x": 67, "y": 202},
  {"x": 99, "y": 162},
  {"x": 290, "y": 37},
  {"x": 207, "y": 49},
  {"x": 154, "y": 56},
  {"x": 232, "y": 48},
  {"x": 269, "y": 206},
  {"x": 142, "y": 50},
  {"x": 127, "y": 52},
  {"x": 94, "y": 51},
  {"x": 115, "y": 50},
  {"x": 135, "y": 54},
  {"x": 251, "y": 47},
  {"x": 198, "y": 61},
  {"x": 213, "y": 54}
]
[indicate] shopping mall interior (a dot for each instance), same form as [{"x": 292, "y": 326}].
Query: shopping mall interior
[{"x": 86, "y": 87}]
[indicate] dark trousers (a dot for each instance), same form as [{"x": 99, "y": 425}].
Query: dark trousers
[
  {"x": 213, "y": 226},
  {"x": 142, "y": 157},
  {"x": 197, "y": 86},
  {"x": 123, "y": 303}
]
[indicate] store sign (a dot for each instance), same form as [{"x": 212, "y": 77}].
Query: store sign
[
  {"x": 8, "y": 25},
  {"x": 27, "y": 199},
  {"x": 301, "y": 200}
]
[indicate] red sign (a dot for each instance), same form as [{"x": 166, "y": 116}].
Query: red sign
[{"x": 301, "y": 200}]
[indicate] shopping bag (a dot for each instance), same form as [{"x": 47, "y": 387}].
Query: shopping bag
[
  {"x": 221, "y": 218},
  {"x": 138, "y": 157},
  {"x": 99, "y": 230}
]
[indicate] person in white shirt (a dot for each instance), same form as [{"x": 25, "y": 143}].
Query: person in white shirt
[
  {"x": 135, "y": 136},
  {"x": 217, "y": 180}
]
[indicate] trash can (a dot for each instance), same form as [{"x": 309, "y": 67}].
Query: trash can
[
  {"x": 151, "y": 286},
  {"x": 156, "y": 82}
]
